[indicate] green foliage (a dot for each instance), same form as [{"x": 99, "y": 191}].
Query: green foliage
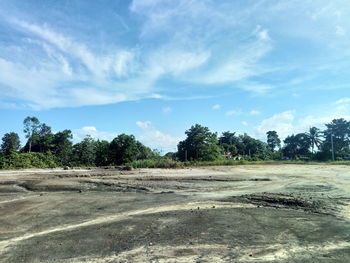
[
  {"x": 295, "y": 145},
  {"x": 28, "y": 160},
  {"x": 200, "y": 144},
  {"x": 41, "y": 140},
  {"x": 201, "y": 147},
  {"x": 156, "y": 163},
  {"x": 125, "y": 149},
  {"x": 102, "y": 153},
  {"x": 250, "y": 146},
  {"x": 314, "y": 135},
  {"x": 10, "y": 143},
  {"x": 84, "y": 152},
  {"x": 340, "y": 130},
  {"x": 273, "y": 141},
  {"x": 31, "y": 125},
  {"x": 63, "y": 147}
]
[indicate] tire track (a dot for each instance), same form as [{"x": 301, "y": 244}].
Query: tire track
[{"x": 6, "y": 244}]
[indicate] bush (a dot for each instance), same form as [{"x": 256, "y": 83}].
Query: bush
[
  {"x": 156, "y": 163},
  {"x": 27, "y": 160}
]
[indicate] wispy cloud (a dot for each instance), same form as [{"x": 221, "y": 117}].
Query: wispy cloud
[
  {"x": 216, "y": 107},
  {"x": 254, "y": 112},
  {"x": 156, "y": 139},
  {"x": 170, "y": 44},
  {"x": 233, "y": 113},
  {"x": 167, "y": 110},
  {"x": 81, "y": 133},
  {"x": 342, "y": 101}
]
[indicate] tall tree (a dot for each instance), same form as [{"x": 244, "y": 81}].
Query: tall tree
[
  {"x": 273, "y": 141},
  {"x": 123, "y": 149},
  {"x": 62, "y": 146},
  {"x": 339, "y": 129},
  {"x": 102, "y": 153},
  {"x": 228, "y": 141},
  {"x": 10, "y": 143},
  {"x": 252, "y": 146},
  {"x": 298, "y": 144},
  {"x": 200, "y": 144},
  {"x": 84, "y": 152},
  {"x": 314, "y": 135},
  {"x": 31, "y": 125},
  {"x": 45, "y": 138}
]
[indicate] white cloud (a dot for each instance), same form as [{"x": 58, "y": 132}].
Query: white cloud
[
  {"x": 216, "y": 107},
  {"x": 309, "y": 121},
  {"x": 286, "y": 124},
  {"x": 144, "y": 124},
  {"x": 240, "y": 66},
  {"x": 176, "y": 61},
  {"x": 342, "y": 101},
  {"x": 72, "y": 75},
  {"x": 255, "y": 112},
  {"x": 340, "y": 31},
  {"x": 244, "y": 123},
  {"x": 167, "y": 110},
  {"x": 156, "y": 139},
  {"x": 182, "y": 42},
  {"x": 81, "y": 133},
  {"x": 281, "y": 122},
  {"x": 233, "y": 113}
]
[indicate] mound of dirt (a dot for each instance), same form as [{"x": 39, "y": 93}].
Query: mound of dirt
[{"x": 279, "y": 201}]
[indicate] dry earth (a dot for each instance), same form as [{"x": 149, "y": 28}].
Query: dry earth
[{"x": 266, "y": 213}]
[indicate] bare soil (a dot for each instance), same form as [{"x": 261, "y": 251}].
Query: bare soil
[{"x": 257, "y": 213}]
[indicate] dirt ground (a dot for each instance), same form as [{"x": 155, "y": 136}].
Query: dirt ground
[{"x": 260, "y": 213}]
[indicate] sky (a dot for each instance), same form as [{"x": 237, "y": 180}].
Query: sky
[{"x": 153, "y": 68}]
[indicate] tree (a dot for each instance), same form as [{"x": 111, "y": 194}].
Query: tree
[
  {"x": 340, "y": 130},
  {"x": 298, "y": 144},
  {"x": 200, "y": 144},
  {"x": 31, "y": 125},
  {"x": 45, "y": 138},
  {"x": 62, "y": 146},
  {"x": 10, "y": 143},
  {"x": 144, "y": 152},
  {"x": 228, "y": 138},
  {"x": 84, "y": 152},
  {"x": 228, "y": 142},
  {"x": 124, "y": 149},
  {"x": 102, "y": 153},
  {"x": 252, "y": 147},
  {"x": 314, "y": 135},
  {"x": 41, "y": 141},
  {"x": 273, "y": 140}
]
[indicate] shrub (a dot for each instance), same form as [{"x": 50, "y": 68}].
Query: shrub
[
  {"x": 156, "y": 163},
  {"x": 27, "y": 160}
]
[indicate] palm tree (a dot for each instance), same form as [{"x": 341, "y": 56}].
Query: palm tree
[{"x": 314, "y": 135}]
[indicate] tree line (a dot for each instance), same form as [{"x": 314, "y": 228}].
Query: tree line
[{"x": 44, "y": 148}]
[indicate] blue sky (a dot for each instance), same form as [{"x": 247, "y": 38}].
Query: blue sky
[{"x": 153, "y": 68}]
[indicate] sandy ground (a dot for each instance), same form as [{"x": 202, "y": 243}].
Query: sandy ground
[{"x": 261, "y": 213}]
